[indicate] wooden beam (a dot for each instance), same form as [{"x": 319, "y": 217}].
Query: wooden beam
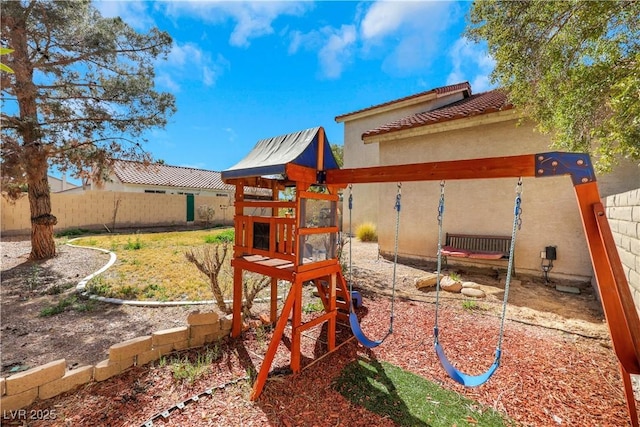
[
  {"x": 300, "y": 174},
  {"x": 321, "y": 143},
  {"x": 491, "y": 167},
  {"x": 619, "y": 310},
  {"x": 275, "y": 341}
]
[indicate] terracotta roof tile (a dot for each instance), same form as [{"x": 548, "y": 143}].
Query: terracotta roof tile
[
  {"x": 171, "y": 176},
  {"x": 481, "y": 103},
  {"x": 439, "y": 90}
]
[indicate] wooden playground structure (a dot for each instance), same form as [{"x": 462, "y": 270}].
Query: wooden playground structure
[{"x": 296, "y": 240}]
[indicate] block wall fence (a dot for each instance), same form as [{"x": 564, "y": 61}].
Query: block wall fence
[
  {"x": 96, "y": 209},
  {"x": 623, "y": 211},
  {"x": 46, "y": 381}
]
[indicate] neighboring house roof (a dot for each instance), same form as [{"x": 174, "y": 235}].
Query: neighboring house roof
[
  {"x": 478, "y": 104},
  {"x": 270, "y": 156},
  {"x": 444, "y": 90},
  {"x": 129, "y": 172}
]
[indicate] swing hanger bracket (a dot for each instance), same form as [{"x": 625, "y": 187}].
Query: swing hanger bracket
[
  {"x": 321, "y": 177},
  {"x": 578, "y": 165}
]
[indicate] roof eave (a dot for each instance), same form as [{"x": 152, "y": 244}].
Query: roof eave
[
  {"x": 408, "y": 102},
  {"x": 444, "y": 126}
]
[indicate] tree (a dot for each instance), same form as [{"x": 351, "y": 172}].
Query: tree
[
  {"x": 338, "y": 153},
  {"x": 82, "y": 94},
  {"x": 572, "y": 66}
]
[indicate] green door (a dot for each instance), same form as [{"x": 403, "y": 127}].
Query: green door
[{"x": 191, "y": 207}]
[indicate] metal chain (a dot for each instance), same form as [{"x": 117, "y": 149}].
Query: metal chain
[
  {"x": 439, "y": 254},
  {"x": 395, "y": 258},
  {"x": 181, "y": 405},
  {"x": 517, "y": 224},
  {"x": 350, "y": 248}
]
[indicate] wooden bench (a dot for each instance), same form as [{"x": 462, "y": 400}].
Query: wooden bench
[{"x": 475, "y": 246}]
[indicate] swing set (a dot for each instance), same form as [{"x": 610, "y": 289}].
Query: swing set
[{"x": 299, "y": 247}]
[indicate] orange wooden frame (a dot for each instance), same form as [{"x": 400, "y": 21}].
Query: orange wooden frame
[{"x": 620, "y": 311}]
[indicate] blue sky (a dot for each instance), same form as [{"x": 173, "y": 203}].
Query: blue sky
[{"x": 246, "y": 71}]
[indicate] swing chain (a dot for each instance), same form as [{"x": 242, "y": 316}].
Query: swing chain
[
  {"x": 441, "y": 204},
  {"x": 518, "y": 209},
  {"x": 350, "y": 197},
  {"x": 398, "y": 197}
]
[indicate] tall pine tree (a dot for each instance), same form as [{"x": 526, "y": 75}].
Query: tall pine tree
[{"x": 81, "y": 94}]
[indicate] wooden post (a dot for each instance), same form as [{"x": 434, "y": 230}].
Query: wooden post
[
  {"x": 331, "y": 329},
  {"x": 273, "y": 315},
  {"x": 236, "y": 323},
  {"x": 295, "y": 327},
  {"x": 275, "y": 342}
]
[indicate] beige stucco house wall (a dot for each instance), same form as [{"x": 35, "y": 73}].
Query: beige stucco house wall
[
  {"x": 356, "y": 154},
  {"x": 550, "y": 215}
]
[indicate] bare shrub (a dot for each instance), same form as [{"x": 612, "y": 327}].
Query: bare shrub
[{"x": 213, "y": 262}]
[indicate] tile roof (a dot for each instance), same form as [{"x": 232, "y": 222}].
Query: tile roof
[
  {"x": 475, "y": 105},
  {"x": 130, "y": 172},
  {"x": 439, "y": 91}
]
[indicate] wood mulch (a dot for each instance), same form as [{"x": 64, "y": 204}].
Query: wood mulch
[
  {"x": 546, "y": 378},
  {"x": 564, "y": 373}
]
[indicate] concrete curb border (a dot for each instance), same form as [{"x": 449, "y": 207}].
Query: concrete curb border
[{"x": 81, "y": 287}]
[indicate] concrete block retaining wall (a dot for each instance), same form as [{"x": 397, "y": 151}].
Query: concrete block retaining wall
[
  {"x": 623, "y": 212},
  {"x": 46, "y": 381}
]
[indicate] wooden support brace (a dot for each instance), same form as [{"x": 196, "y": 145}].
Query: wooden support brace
[{"x": 275, "y": 341}]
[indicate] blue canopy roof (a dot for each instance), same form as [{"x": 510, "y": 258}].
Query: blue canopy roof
[{"x": 270, "y": 156}]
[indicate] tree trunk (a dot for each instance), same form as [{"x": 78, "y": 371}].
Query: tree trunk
[
  {"x": 42, "y": 244},
  {"x": 34, "y": 157}
]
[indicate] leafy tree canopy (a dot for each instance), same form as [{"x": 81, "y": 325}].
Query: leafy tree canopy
[
  {"x": 572, "y": 66},
  {"x": 82, "y": 93}
]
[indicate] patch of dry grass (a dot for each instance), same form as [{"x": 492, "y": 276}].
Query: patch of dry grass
[{"x": 152, "y": 266}]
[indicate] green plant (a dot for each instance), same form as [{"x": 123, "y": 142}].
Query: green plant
[
  {"x": 470, "y": 305},
  {"x": 60, "y": 307},
  {"x": 98, "y": 286},
  {"x": 366, "y": 232},
  {"x": 186, "y": 369},
  {"x": 313, "y": 307},
  {"x": 33, "y": 280},
  {"x": 454, "y": 276},
  {"x": 225, "y": 236},
  {"x": 58, "y": 289},
  {"x": 400, "y": 396},
  {"x": 72, "y": 232},
  {"x": 133, "y": 246}
]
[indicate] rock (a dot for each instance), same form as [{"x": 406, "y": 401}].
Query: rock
[
  {"x": 450, "y": 285},
  {"x": 428, "y": 281},
  {"x": 473, "y": 285},
  {"x": 473, "y": 292}
]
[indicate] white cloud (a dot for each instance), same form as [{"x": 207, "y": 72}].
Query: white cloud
[
  {"x": 189, "y": 61},
  {"x": 337, "y": 50},
  {"x": 406, "y": 35},
  {"x": 251, "y": 19},
  {"x": 133, "y": 13},
  {"x": 334, "y": 46},
  {"x": 471, "y": 62}
]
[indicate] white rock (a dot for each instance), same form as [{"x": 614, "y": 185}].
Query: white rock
[
  {"x": 473, "y": 292},
  {"x": 473, "y": 285},
  {"x": 428, "y": 281},
  {"x": 450, "y": 285}
]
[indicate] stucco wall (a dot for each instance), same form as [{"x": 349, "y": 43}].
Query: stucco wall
[
  {"x": 95, "y": 209},
  {"x": 623, "y": 211},
  {"x": 550, "y": 214},
  {"x": 357, "y": 154}
]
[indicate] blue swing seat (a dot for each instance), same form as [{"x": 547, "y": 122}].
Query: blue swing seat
[
  {"x": 460, "y": 377},
  {"x": 360, "y": 336}
]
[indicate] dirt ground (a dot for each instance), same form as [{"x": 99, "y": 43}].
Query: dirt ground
[
  {"x": 29, "y": 340},
  {"x": 558, "y": 367}
]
